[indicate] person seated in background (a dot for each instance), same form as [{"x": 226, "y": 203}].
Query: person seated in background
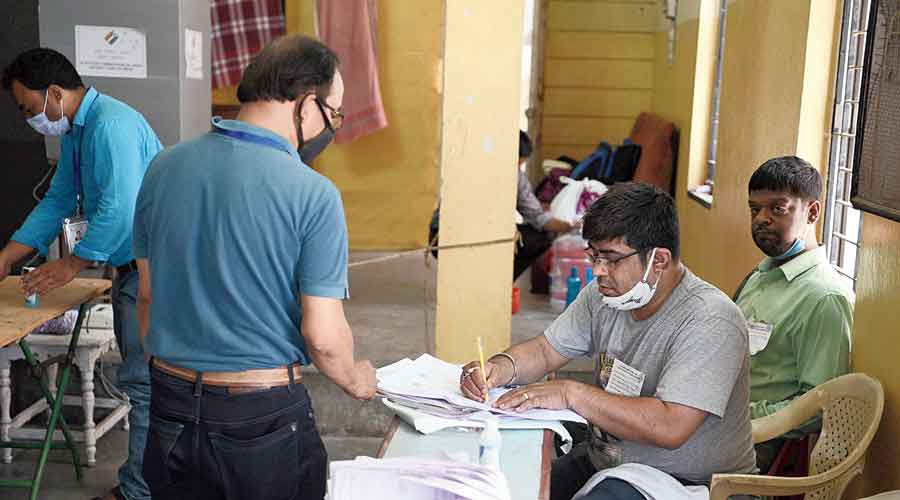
[
  {"x": 799, "y": 313},
  {"x": 537, "y": 228},
  {"x": 672, "y": 364}
]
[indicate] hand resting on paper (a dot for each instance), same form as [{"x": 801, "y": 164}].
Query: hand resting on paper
[{"x": 550, "y": 395}]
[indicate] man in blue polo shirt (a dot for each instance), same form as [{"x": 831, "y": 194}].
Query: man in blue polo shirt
[
  {"x": 243, "y": 252},
  {"x": 105, "y": 148}
]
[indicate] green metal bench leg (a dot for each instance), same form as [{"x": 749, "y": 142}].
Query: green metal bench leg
[{"x": 56, "y": 406}]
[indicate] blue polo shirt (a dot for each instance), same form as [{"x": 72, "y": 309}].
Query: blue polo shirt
[
  {"x": 235, "y": 230},
  {"x": 114, "y": 144}
]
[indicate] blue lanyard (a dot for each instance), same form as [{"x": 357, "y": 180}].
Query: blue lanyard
[
  {"x": 79, "y": 188},
  {"x": 256, "y": 139}
]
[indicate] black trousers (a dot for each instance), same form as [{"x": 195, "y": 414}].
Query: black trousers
[
  {"x": 534, "y": 244},
  {"x": 204, "y": 443}
]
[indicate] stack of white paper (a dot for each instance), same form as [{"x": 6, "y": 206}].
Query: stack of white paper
[
  {"x": 431, "y": 386},
  {"x": 414, "y": 479}
]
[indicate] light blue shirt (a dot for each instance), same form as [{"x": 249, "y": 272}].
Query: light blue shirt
[
  {"x": 235, "y": 231},
  {"x": 116, "y": 144}
]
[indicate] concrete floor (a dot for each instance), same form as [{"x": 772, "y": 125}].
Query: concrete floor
[{"x": 391, "y": 312}]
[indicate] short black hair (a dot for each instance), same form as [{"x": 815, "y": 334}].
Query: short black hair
[
  {"x": 287, "y": 68},
  {"x": 642, "y": 214},
  {"x": 787, "y": 174},
  {"x": 525, "y": 147},
  {"x": 39, "y": 68}
]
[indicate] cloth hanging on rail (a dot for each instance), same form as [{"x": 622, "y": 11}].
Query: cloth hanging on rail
[
  {"x": 240, "y": 29},
  {"x": 349, "y": 27}
]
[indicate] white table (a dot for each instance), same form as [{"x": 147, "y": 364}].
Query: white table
[
  {"x": 93, "y": 343},
  {"x": 525, "y": 455}
]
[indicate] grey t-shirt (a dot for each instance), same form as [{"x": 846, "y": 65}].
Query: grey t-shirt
[{"x": 693, "y": 351}]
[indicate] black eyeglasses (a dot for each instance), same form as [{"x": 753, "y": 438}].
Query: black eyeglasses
[
  {"x": 335, "y": 117},
  {"x": 606, "y": 262}
]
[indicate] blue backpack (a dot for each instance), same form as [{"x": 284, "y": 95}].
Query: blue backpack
[{"x": 609, "y": 165}]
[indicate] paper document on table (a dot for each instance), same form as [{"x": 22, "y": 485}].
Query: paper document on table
[
  {"x": 427, "y": 423},
  {"x": 414, "y": 479},
  {"x": 431, "y": 386}
]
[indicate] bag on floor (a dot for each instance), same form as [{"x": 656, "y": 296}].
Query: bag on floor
[
  {"x": 551, "y": 185},
  {"x": 595, "y": 165},
  {"x": 575, "y": 198}
]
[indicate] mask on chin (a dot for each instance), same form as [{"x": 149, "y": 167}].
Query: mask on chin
[
  {"x": 798, "y": 247},
  {"x": 640, "y": 294}
]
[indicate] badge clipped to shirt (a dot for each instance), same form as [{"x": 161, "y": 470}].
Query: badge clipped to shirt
[
  {"x": 625, "y": 380},
  {"x": 759, "y": 335},
  {"x": 73, "y": 231}
]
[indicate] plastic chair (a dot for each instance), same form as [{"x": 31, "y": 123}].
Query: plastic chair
[
  {"x": 887, "y": 495},
  {"x": 851, "y": 408}
]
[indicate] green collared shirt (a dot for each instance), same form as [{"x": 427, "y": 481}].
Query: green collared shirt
[{"x": 810, "y": 312}]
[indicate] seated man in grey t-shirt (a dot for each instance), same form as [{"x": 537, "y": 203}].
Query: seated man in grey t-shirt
[{"x": 672, "y": 357}]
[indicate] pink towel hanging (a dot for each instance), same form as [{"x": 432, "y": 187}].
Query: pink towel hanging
[{"x": 348, "y": 27}]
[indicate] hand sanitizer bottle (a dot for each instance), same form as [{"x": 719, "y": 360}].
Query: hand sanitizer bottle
[
  {"x": 489, "y": 444},
  {"x": 573, "y": 286}
]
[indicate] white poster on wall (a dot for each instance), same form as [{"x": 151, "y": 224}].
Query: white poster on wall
[
  {"x": 193, "y": 54},
  {"x": 110, "y": 51}
]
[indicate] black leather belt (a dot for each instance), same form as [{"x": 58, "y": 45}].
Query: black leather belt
[{"x": 126, "y": 268}]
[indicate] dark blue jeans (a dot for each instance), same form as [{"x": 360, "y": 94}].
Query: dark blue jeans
[
  {"x": 134, "y": 380},
  {"x": 571, "y": 471},
  {"x": 205, "y": 443}
]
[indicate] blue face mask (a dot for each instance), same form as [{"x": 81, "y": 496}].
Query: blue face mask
[
  {"x": 798, "y": 247},
  {"x": 43, "y": 125}
]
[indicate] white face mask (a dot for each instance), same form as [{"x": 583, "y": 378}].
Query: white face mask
[
  {"x": 640, "y": 294},
  {"x": 43, "y": 125}
]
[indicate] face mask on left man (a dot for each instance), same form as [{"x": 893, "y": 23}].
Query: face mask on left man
[
  {"x": 310, "y": 149},
  {"x": 43, "y": 125},
  {"x": 640, "y": 294}
]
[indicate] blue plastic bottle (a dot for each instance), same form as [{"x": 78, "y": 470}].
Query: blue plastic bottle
[
  {"x": 588, "y": 276},
  {"x": 573, "y": 286}
]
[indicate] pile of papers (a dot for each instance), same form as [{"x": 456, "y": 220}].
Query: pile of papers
[
  {"x": 414, "y": 479},
  {"x": 431, "y": 386}
]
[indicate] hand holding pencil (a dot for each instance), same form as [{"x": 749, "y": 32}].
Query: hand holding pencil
[{"x": 480, "y": 375}]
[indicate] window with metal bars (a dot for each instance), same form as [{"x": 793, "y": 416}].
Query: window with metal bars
[{"x": 842, "y": 221}]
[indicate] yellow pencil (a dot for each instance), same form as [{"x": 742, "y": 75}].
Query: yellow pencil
[{"x": 483, "y": 375}]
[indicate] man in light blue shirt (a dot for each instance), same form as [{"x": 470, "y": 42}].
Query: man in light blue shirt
[{"x": 105, "y": 148}]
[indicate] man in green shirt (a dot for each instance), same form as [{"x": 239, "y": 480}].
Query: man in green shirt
[{"x": 798, "y": 311}]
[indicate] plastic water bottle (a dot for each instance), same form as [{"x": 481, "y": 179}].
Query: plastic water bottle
[
  {"x": 588, "y": 276},
  {"x": 573, "y": 286},
  {"x": 557, "y": 290},
  {"x": 32, "y": 300},
  {"x": 489, "y": 444}
]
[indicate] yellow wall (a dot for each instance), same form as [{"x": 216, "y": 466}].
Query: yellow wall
[
  {"x": 683, "y": 88},
  {"x": 598, "y": 72},
  {"x": 479, "y": 150},
  {"x": 389, "y": 179},
  {"x": 775, "y": 100},
  {"x": 876, "y": 346}
]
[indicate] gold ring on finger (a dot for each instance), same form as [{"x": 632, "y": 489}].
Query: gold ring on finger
[{"x": 526, "y": 395}]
